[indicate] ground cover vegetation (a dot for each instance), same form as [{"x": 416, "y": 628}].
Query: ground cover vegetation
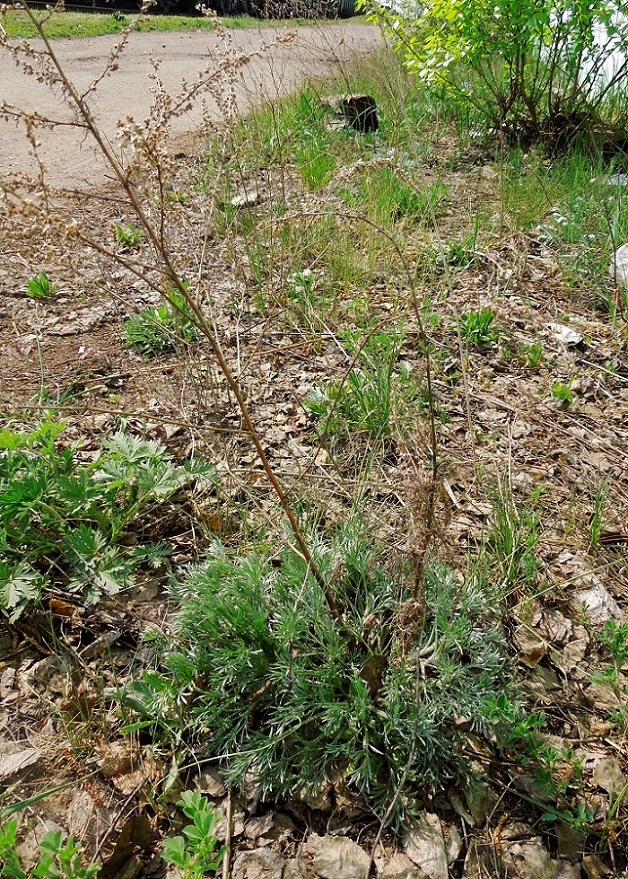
[
  {"x": 18, "y": 25},
  {"x": 341, "y": 481}
]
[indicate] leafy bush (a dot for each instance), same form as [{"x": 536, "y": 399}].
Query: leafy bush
[
  {"x": 260, "y": 675},
  {"x": 64, "y": 524},
  {"x": 534, "y": 68}
]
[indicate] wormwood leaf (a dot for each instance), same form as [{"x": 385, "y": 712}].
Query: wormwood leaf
[
  {"x": 19, "y": 585},
  {"x": 66, "y": 522},
  {"x": 133, "y": 449},
  {"x": 283, "y": 692},
  {"x": 97, "y": 566}
]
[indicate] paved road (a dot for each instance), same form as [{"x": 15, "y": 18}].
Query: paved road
[{"x": 70, "y": 158}]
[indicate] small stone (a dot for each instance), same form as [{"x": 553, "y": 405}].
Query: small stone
[
  {"x": 474, "y": 862},
  {"x": 532, "y": 647},
  {"x": 599, "y": 603},
  {"x": 211, "y": 783},
  {"x": 618, "y": 269},
  {"x": 116, "y": 760},
  {"x": 595, "y": 868},
  {"x": 336, "y": 857},
  {"x": 568, "y": 336},
  {"x": 568, "y": 657},
  {"x": 320, "y": 799},
  {"x": 246, "y": 199},
  {"x": 618, "y": 180},
  {"x": 13, "y": 764},
  {"x": 292, "y": 870},
  {"x": 237, "y": 824},
  {"x": 424, "y": 844},
  {"x": 454, "y": 845},
  {"x": 259, "y": 826},
  {"x": 80, "y": 814},
  {"x": 529, "y": 859},
  {"x": 8, "y": 690},
  {"x": 261, "y": 863},
  {"x": 567, "y": 870},
  {"x": 358, "y": 111},
  {"x": 481, "y": 800},
  {"x": 397, "y": 866},
  {"x": 529, "y": 785},
  {"x": 28, "y": 849},
  {"x": 608, "y": 775},
  {"x": 571, "y": 841},
  {"x": 603, "y": 698}
]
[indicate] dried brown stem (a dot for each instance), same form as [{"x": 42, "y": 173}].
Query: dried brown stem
[{"x": 176, "y": 281}]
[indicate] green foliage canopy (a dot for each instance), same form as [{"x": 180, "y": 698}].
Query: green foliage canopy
[{"x": 518, "y": 62}]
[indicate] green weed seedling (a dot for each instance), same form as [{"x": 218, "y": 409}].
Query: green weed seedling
[
  {"x": 562, "y": 393},
  {"x": 195, "y": 854},
  {"x": 513, "y": 537},
  {"x": 57, "y": 859},
  {"x": 533, "y": 355},
  {"x": 478, "y": 329},
  {"x": 557, "y": 774},
  {"x": 41, "y": 287},
  {"x": 310, "y": 302},
  {"x": 597, "y": 517},
  {"x": 127, "y": 235},
  {"x": 10, "y": 866},
  {"x": 178, "y": 196},
  {"x": 388, "y": 198},
  {"x": 310, "y": 151},
  {"x": 460, "y": 255},
  {"x": 159, "y": 330},
  {"x": 301, "y": 286},
  {"x": 614, "y": 637}
]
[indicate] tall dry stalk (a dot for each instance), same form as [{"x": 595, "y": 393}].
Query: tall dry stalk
[{"x": 142, "y": 178}]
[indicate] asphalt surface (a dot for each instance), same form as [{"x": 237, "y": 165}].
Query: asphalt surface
[{"x": 69, "y": 154}]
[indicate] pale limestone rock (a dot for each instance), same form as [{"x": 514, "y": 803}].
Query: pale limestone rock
[
  {"x": 261, "y": 863},
  {"x": 336, "y": 857},
  {"x": 424, "y": 844}
]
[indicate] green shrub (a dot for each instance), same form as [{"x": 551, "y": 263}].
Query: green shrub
[
  {"x": 529, "y": 68},
  {"x": 260, "y": 676},
  {"x": 64, "y": 524}
]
